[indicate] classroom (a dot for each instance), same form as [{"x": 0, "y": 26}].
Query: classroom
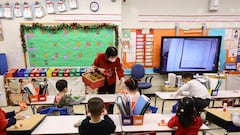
[{"x": 154, "y": 42}]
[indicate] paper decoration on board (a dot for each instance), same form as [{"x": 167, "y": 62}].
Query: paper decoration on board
[
  {"x": 50, "y": 7},
  {"x": 73, "y": 4},
  {"x": 8, "y": 10},
  {"x": 126, "y": 33},
  {"x": 126, "y": 44},
  {"x": 1, "y": 11},
  {"x": 61, "y": 5},
  {"x": 27, "y": 12},
  {"x": 38, "y": 10},
  {"x": 17, "y": 10}
]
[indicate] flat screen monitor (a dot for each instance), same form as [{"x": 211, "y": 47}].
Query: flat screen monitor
[{"x": 197, "y": 54}]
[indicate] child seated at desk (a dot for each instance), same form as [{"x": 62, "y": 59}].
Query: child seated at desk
[
  {"x": 94, "y": 123},
  {"x": 64, "y": 100},
  {"x": 196, "y": 90},
  {"x": 8, "y": 119},
  {"x": 186, "y": 119},
  {"x": 131, "y": 86}
]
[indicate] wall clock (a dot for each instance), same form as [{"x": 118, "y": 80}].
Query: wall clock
[{"x": 94, "y": 6}]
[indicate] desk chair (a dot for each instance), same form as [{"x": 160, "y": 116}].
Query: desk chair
[{"x": 138, "y": 72}]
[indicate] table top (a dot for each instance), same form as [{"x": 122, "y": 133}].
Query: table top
[
  {"x": 227, "y": 94},
  {"x": 223, "y": 115},
  {"x": 107, "y": 98},
  {"x": 49, "y": 101},
  {"x": 151, "y": 123},
  {"x": 27, "y": 124},
  {"x": 221, "y": 94},
  {"x": 65, "y": 124}
]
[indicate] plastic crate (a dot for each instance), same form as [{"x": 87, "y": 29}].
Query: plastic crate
[
  {"x": 132, "y": 120},
  {"x": 20, "y": 72},
  {"x": 27, "y": 72},
  {"x": 11, "y": 72},
  {"x": 49, "y": 72},
  {"x": 43, "y": 72},
  {"x": 93, "y": 80}
]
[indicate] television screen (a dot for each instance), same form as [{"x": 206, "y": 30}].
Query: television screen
[{"x": 190, "y": 54}]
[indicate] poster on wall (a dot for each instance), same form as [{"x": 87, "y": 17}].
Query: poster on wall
[
  {"x": 67, "y": 47},
  {"x": 1, "y": 32}
]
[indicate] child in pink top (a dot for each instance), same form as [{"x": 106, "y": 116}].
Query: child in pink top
[{"x": 131, "y": 85}]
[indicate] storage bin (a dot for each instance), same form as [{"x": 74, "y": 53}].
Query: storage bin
[
  {"x": 43, "y": 72},
  {"x": 66, "y": 72},
  {"x": 37, "y": 98},
  {"x": 214, "y": 92},
  {"x": 78, "y": 71},
  {"x": 60, "y": 72},
  {"x": 55, "y": 72},
  {"x": 27, "y": 72},
  {"x": 11, "y": 72},
  {"x": 20, "y": 72},
  {"x": 34, "y": 72},
  {"x": 72, "y": 72},
  {"x": 49, "y": 72},
  {"x": 132, "y": 120},
  {"x": 93, "y": 79}
]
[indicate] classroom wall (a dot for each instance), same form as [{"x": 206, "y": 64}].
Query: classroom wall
[
  {"x": 131, "y": 11},
  {"x": 11, "y": 45}
]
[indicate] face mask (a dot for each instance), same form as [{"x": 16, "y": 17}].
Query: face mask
[{"x": 112, "y": 59}]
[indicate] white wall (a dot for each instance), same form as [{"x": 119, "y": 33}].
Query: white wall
[
  {"x": 11, "y": 45},
  {"x": 130, "y": 19},
  {"x": 132, "y": 8}
]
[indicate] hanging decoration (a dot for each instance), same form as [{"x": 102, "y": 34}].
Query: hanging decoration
[
  {"x": 27, "y": 12},
  {"x": 61, "y": 6},
  {"x": 73, "y": 4},
  {"x": 17, "y": 10},
  {"x": 8, "y": 11},
  {"x": 50, "y": 7},
  {"x": 73, "y": 26},
  {"x": 38, "y": 10}
]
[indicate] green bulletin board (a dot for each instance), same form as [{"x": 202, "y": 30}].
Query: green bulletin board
[{"x": 66, "y": 47}]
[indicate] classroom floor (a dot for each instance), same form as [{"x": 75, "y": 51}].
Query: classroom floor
[{"x": 214, "y": 130}]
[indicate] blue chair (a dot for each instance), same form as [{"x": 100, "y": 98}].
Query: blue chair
[{"x": 138, "y": 72}]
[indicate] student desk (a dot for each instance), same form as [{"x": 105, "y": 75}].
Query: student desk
[
  {"x": 222, "y": 94},
  {"x": 65, "y": 124},
  {"x": 107, "y": 98},
  {"x": 26, "y": 126},
  {"x": 165, "y": 96},
  {"x": 222, "y": 119},
  {"x": 49, "y": 101},
  {"x": 225, "y": 94},
  {"x": 151, "y": 123}
]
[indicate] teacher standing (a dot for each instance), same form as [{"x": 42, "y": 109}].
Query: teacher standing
[{"x": 109, "y": 65}]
